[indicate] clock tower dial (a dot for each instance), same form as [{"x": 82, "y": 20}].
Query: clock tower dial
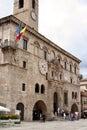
[
  {"x": 33, "y": 15},
  {"x": 27, "y": 11},
  {"x": 43, "y": 67}
]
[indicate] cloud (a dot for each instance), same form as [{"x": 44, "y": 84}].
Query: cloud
[
  {"x": 6, "y": 7},
  {"x": 65, "y": 23}
]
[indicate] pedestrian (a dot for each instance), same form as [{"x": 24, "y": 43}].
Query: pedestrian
[
  {"x": 84, "y": 116},
  {"x": 71, "y": 116},
  {"x": 44, "y": 117},
  {"x": 64, "y": 115},
  {"x": 58, "y": 111}
]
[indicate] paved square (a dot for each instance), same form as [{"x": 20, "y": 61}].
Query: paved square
[{"x": 50, "y": 125}]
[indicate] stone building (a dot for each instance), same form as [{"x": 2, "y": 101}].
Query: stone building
[
  {"x": 36, "y": 75},
  {"x": 83, "y": 90}
]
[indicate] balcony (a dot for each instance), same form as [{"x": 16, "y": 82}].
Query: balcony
[{"x": 9, "y": 44}]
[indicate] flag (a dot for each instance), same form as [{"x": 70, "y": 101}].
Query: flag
[
  {"x": 20, "y": 32},
  {"x": 19, "y": 28}
]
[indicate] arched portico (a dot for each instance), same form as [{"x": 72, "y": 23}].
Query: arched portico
[{"x": 39, "y": 108}]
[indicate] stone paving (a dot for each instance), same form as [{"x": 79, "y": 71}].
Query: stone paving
[{"x": 49, "y": 125}]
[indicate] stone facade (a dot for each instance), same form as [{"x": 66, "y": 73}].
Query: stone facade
[
  {"x": 36, "y": 75},
  {"x": 83, "y": 90}
]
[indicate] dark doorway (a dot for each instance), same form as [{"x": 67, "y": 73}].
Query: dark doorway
[
  {"x": 74, "y": 108},
  {"x": 20, "y": 107},
  {"x": 55, "y": 102},
  {"x": 39, "y": 109}
]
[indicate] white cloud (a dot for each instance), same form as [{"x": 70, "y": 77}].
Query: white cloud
[{"x": 65, "y": 23}]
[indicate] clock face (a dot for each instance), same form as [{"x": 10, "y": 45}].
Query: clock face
[
  {"x": 33, "y": 15},
  {"x": 43, "y": 67}
]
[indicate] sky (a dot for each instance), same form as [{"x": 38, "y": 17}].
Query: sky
[{"x": 64, "y": 22}]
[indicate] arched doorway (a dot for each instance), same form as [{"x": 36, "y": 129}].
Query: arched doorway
[
  {"x": 74, "y": 108},
  {"x": 20, "y": 107},
  {"x": 39, "y": 108},
  {"x": 55, "y": 102}
]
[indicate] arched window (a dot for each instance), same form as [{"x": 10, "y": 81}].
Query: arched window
[
  {"x": 70, "y": 68},
  {"x": 60, "y": 76},
  {"x": 33, "y": 4},
  {"x": 37, "y": 88},
  {"x": 21, "y": 4},
  {"x": 72, "y": 95},
  {"x": 59, "y": 58},
  {"x": 36, "y": 48},
  {"x": 52, "y": 55},
  {"x": 45, "y": 55},
  {"x": 75, "y": 68},
  {"x": 71, "y": 80},
  {"x": 45, "y": 50},
  {"x": 66, "y": 97},
  {"x": 42, "y": 89},
  {"x": 75, "y": 95},
  {"x": 65, "y": 64}
]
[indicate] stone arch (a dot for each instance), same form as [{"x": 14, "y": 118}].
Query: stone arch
[
  {"x": 39, "y": 108},
  {"x": 36, "y": 48},
  {"x": 45, "y": 51},
  {"x": 59, "y": 58},
  {"x": 36, "y": 43},
  {"x": 52, "y": 55},
  {"x": 74, "y": 108},
  {"x": 20, "y": 106}
]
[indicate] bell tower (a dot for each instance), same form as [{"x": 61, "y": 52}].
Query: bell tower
[{"x": 27, "y": 12}]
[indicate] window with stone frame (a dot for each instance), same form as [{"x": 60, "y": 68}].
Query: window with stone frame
[
  {"x": 65, "y": 65},
  {"x": 71, "y": 80},
  {"x": 75, "y": 69},
  {"x": 21, "y": 4},
  {"x": 52, "y": 55},
  {"x": 25, "y": 41},
  {"x": 36, "y": 48},
  {"x": 70, "y": 67},
  {"x": 66, "y": 98},
  {"x": 45, "y": 55},
  {"x": 23, "y": 87},
  {"x": 59, "y": 58},
  {"x": 24, "y": 64},
  {"x": 73, "y": 95},
  {"x": 52, "y": 73},
  {"x": 0, "y": 40},
  {"x": 33, "y": 4},
  {"x": 42, "y": 89},
  {"x": 36, "y": 88},
  {"x": 60, "y": 76},
  {"x": 45, "y": 52}
]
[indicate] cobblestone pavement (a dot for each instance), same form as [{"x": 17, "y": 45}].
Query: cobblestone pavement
[{"x": 49, "y": 125}]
